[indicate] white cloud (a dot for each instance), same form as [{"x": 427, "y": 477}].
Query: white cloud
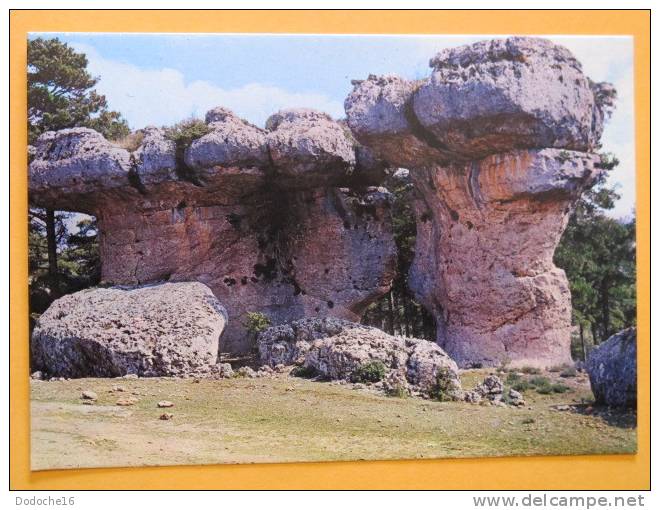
[{"x": 163, "y": 97}]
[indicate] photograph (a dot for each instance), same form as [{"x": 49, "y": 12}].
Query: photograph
[{"x": 276, "y": 248}]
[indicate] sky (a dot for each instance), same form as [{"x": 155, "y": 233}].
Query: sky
[{"x": 160, "y": 79}]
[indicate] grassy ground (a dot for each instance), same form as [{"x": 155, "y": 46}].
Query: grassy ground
[{"x": 284, "y": 419}]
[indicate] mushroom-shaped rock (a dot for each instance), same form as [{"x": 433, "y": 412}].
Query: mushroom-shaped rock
[
  {"x": 503, "y": 94},
  {"x": 491, "y": 228},
  {"x": 309, "y": 144},
  {"x": 160, "y": 330},
  {"x": 264, "y": 239},
  {"x": 69, "y": 168},
  {"x": 612, "y": 368},
  {"x": 497, "y": 142}
]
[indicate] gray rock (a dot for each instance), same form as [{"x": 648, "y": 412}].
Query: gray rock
[
  {"x": 303, "y": 141},
  {"x": 497, "y": 95},
  {"x": 516, "y": 398},
  {"x": 89, "y": 395},
  {"x": 491, "y": 388},
  {"x": 167, "y": 329},
  {"x": 288, "y": 343},
  {"x": 69, "y": 164},
  {"x": 155, "y": 159},
  {"x": 246, "y": 372},
  {"x": 612, "y": 369},
  {"x": 335, "y": 349},
  {"x": 232, "y": 142}
]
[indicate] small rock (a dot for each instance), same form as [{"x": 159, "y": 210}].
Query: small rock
[
  {"x": 516, "y": 398},
  {"x": 88, "y": 395},
  {"x": 118, "y": 388},
  {"x": 37, "y": 376},
  {"x": 562, "y": 408},
  {"x": 246, "y": 372},
  {"x": 127, "y": 401},
  {"x": 165, "y": 403},
  {"x": 130, "y": 376},
  {"x": 166, "y": 416}
]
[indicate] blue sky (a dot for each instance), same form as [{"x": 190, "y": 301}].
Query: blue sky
[{"x": 159, "y": 79}]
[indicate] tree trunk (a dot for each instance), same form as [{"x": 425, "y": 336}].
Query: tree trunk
[
  {"x": 390, "y": 304},
  {"x": 584, "y": 349},
  {"x": 52, "y": 252},
  {"x": 605, "y": 308}
]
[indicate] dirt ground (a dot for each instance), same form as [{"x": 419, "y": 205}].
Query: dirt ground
[{"x": 287, "y": 419}]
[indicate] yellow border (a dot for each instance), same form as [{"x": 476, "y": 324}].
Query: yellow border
[{"x": 587, "y": 472}]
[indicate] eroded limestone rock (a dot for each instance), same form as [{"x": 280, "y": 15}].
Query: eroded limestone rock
[
  {"x": 336, "y": 349},
  {"x": 280, "y": 221},
  {"x": 498, "y": 142},
  {"x": 168, "y": 329}
]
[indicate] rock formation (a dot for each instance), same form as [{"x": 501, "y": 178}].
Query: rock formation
[
  {"x": 612, "y": 368},
  {"x": 167, "y": 329},
  {"x": 280, "y": 221},
  {"x": 286, "y": 220},
  {"x": 336, "y": 349},
  {"x": 499, "y": 142}
]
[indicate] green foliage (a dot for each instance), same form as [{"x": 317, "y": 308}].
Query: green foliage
[
  {"x": 539, "y": 381},
  {"x": 568, "y": 372},
  {"x": 444, "y": 385},
  {"x": 513, "y": 378},
  {"x": 187, "y": 131},
  {"x": 530, "y": 370},
  {"x": 598, "y": 254},
  {"x": 370, "y": 372},
  {"x": 544, "y": 389},
  {"x": 78, "y": 262},
  {"x": 61, "y": 94},
  {"x": 256, "y": 322},
  {"x": 303, "y": 371},
  {"x": 560, "y": 388},
  {"x": 522, "y": 385},
  {"x": 398, "y": 312}
]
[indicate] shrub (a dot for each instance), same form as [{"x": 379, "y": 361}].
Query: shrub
[
  {"x": 530, "y": 370},
  {"x": 444, "y": 385},
  {"x": 568, "y": 372},
  {"x": 372, "y": 371},
  {"x": 528, "y": 421},
  {"x": 521, "y": 385},
  {"x": 185, "y": 132},
  {"x": 303, "y": 371},
  {"x": 513, "y": 378},
  {"x": 131, "y": 141},
  {"x": 545, "y": 389},
  {"x": 256, "y": 322},
  {"x": 539, "y": 381},
  {"x": 560, "y": 388}
]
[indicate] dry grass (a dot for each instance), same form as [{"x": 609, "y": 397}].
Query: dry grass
[
  {"x": 131, "y": 141},
  {"x": 287, "y": 419}
]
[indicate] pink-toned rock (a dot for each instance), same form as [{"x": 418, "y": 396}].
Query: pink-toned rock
[
  {"x": 257, "y": 215},
  {"x": 487, "y": 139}
]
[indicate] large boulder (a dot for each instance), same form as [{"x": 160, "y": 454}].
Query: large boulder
[
  {"x": 338, "y": 350},
  {"x": 170, "y": 329},
  {"x": 612, "y": 369}
]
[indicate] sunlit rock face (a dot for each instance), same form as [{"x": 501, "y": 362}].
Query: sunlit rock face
[
  {"x": 282, "y": 221},
  {"x": 499, "y": 140}
]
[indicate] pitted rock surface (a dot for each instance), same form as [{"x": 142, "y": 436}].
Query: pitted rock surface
[
  {"x": 612, "y": 369},
  {"x": 271, "y": 220},
  {"x": 498, "y": 143},
  {"x": 159, "y": 330},
  {"x": 334, "y": 349}
]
